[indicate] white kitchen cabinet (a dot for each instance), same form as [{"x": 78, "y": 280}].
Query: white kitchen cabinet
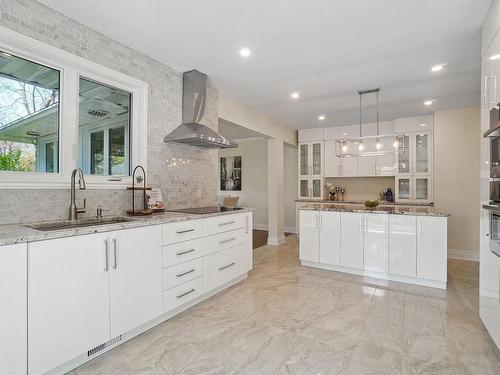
[
  {"x": 68, "y": 299},
  {"x": 329, "y": 242},
  {"x": 336, "y": 166},
  {"x": 135, "y": 277},
  {"x": 432, "y": 248},
  {"x": 403, "y": 245},
  {"x": 311, "y": 135},
  {"x": 351, "y": 239},
  {"x": 376, "y": 242},
  {"x": 311, "y": 188},
  {"x": 309, "y": 239},
  {"x": 311, "y": 159},
  {"x": 13, "y": 302},
  {"x": 386, "y": 165}
]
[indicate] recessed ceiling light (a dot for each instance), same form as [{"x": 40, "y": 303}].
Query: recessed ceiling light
[
  {"x": 423, "y": 125},
  {"x": 344, "y": 134},
  {"x": 321, "y": 117},
  {"x": 245, "y": 52},
  {"x": 295, "y": 95},
  {"x": 495, "y": 56},
  {"x": 428, "y": 102},
  {"x": 437, "y": 68}
]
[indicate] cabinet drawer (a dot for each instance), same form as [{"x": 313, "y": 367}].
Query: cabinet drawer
[
  {"x": 182, "y": 231},
  {"x": 225, "y": 240},
  {"x": 224, "y": 223},
  {"x": 180, "y": 273},
  {"x": 182, "y": 294},
  {"x": 223, "y": 266},
  {"x": 182, "y": 252}
]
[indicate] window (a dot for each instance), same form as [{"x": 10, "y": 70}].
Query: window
[
  {"x": 59, "y": 111},
  {"x": 103, "y": 129},
  {"x": 29, "y": 115}
]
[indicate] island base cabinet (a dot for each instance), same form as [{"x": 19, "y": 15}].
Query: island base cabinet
[
  {"x": 329, "y": 243},
  {"x": 351, "y": 239},
  {"x": 432, "y": 248},
  {"x": 68, "y": 299},
  {"x": 376, "y": 242},
  {"x": 403, "y": 246},
  {"x": 13, "y": 279},
  {"x": 309, "y": 240}
]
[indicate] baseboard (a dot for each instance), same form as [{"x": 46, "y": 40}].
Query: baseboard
[
  {"x": 463, "y": 255},
  {"x": 288, "y": 229},
  {"x": 273, "y": 240}
]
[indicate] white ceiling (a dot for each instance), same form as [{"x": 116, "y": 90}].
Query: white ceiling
[
  {"x": 325, "y": 49},
  {"x": 236, "y": 132}
]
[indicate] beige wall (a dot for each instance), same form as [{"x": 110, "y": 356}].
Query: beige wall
[
  {"x": 253, "y": 177},
  {"x": 254, "y": 180},
  {"x": 361, "y": 188},
  {"x": 456, "y": 176}
]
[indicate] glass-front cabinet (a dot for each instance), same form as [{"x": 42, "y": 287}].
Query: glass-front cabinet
[
  {"x": 310, "y": 188},
  {"x": 414, "y": 189},
  {"x": 311, "y": 159}
]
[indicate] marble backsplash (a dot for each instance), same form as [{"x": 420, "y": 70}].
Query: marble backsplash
[{"x": 179, "y": 180}]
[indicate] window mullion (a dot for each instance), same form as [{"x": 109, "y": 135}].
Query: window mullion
[{"x": 68, "y": 127}]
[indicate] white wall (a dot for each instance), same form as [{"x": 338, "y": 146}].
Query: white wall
[
  {"x": 456, "y": 177},
  {"x": 253, "y": 178}
]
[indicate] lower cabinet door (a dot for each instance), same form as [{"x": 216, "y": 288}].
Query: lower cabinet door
[
  {"x": 432, "y": 248},
  {"x": 68, "y": 299},
  {"x": 223, "y": 266},
  {"x": 135, "y": 277},
  {"x": 329, "y": 248},
  {"x": 351, "y": 239},
  {"x": 376, "y": 242},
  {"x": 403, "y": 245},
  {"x": 13, "y": 302},
  {"x": 309, "y": 240}
]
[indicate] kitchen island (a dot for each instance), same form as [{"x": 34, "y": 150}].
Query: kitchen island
[{"x": 399, "y": 243}]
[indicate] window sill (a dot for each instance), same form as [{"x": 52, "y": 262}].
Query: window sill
[{"x": 40, "y": 181}]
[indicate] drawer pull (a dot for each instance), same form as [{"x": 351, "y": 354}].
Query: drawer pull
[
  {"x": 185, "y": 252},
  {"x": 228, "y": 240},
  {"x": 226, "y": 223},
  {"x": 185, "y": 293},
  {"x": 224, "y": 267},
  {"x": 185, "y": 231},
  {"x": 185, "y": 273}
]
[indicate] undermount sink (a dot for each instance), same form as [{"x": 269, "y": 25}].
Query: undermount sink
[{"x": 69, "y": 224}]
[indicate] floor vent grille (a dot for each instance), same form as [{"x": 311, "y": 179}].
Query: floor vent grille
[{"x": 107, "y": 344}]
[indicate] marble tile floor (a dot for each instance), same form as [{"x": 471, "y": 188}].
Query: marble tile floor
[{"x": 289, "y": 319}]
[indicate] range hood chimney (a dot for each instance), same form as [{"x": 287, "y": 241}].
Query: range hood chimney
[{"x": 191, "y": 131}]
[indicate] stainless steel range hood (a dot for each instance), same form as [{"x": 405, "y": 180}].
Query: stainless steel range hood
[{"x": 191, "y": 131}]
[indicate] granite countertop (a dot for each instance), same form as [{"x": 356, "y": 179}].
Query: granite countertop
[
  {"x": 392, "y": 209},
  {"x": 323, "y": 201},
  {"x": 20, "y": 233}
]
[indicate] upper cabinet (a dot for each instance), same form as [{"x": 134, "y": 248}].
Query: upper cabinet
[{"x": 311, "y": 135}]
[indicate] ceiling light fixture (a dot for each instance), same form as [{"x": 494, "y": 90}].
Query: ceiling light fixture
[
  {"x": 245, "y": 52},
  {"x": 437, "y": 68},
  {"x": 423, "y": 125},
  {"x": 495, "y": 56},
  {"x": 295, "y": 95},
  {"x": 429, "y": 102},
  {"x": 321, "y": 117}
]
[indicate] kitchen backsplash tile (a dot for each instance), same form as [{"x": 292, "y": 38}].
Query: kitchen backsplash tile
[{"x": 178, "y": 179}]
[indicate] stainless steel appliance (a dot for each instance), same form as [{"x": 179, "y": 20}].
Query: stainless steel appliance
[
  {"x": 205, "y": 210},
  {"x": 495, "y": 231},
  {"x": 191, "y": 131},
  {"x": 494, "y": 134}
]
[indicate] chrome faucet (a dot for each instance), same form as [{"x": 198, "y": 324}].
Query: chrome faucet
[{"x": 73, "y": 210}]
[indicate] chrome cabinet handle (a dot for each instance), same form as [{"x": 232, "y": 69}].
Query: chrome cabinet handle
[
  {"x": 227, "y": 266},
  {"x": 106, "y": 267},
  {"x": 361, "y": 224},
  {"x": 185, "y": 273},
  {"x": 184, "y": 231},
  {"x": 114, "y": 254},
  {"x": 185, "y": 293},
  {"x": 226, "y": 223},
  {"x": 246, "y": 224},
  {"x": 228, "y": 240},
  {"x": 185, "y": 252}
]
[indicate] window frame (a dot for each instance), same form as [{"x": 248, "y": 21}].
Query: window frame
[{"x": 71, "y": 67}]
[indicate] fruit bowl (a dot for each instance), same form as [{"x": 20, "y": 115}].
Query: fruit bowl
[{"x": 371, "y": 204}]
